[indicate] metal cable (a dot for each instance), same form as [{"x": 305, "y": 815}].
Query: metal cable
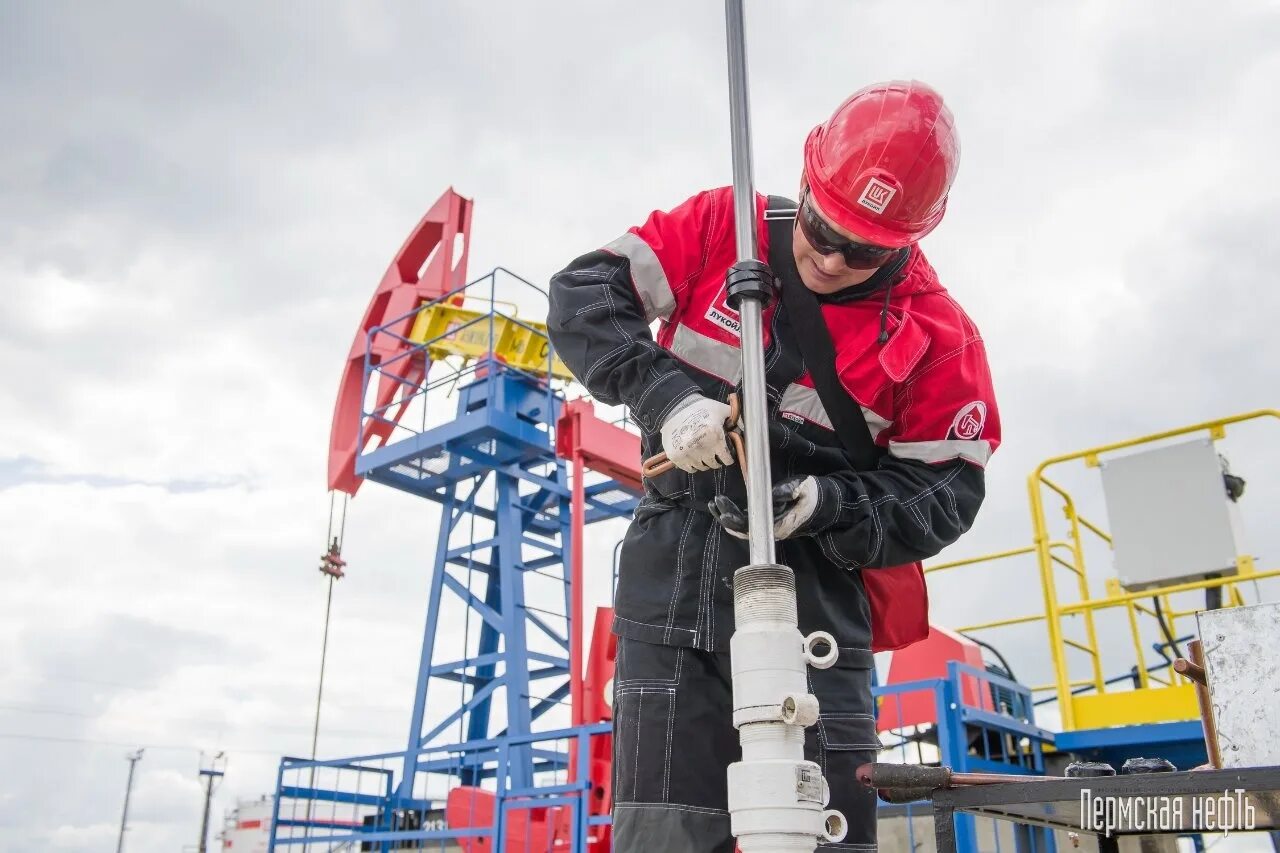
[
  {"x": 1168, "y": 632},
  {"x": 993, "y": 651},
  {"x": 324, "y": 643}
]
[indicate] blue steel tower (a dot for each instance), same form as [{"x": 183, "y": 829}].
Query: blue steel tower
[
  {"x": 495, "y": 464},
  {"x": 480, "y": 769}
]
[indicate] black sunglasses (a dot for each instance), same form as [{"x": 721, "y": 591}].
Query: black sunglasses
[{"x": 827, "y": 241}]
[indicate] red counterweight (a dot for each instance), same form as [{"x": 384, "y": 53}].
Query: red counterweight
[{"x": 431, "y": 263}]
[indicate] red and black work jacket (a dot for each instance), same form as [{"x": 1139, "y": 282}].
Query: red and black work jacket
[{"x": 925, "y": 392}]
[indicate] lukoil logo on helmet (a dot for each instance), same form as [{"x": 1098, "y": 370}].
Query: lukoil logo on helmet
[{"x": 876, "y": 195}]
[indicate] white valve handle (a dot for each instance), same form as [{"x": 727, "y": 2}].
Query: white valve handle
[
  {"x": 800, "y": 710},
  {"x": 820, "y": 660},
  {"x": 834, "y": 827}
]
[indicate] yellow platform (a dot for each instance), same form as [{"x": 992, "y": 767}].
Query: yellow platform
[{"x": 1134, "y": 707}]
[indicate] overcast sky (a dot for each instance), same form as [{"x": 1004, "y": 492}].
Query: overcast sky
[{"x": 197, "y": 200}]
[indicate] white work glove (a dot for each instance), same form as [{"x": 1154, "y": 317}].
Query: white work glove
[
  {"x": 693, "y": 435},
  {"x": 794, "y": 502}
]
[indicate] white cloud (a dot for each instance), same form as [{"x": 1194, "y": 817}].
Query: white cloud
[{"x": 99, "y": 835}]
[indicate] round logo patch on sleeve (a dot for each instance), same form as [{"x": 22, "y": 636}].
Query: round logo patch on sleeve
[{"x": 969, "y": 422}]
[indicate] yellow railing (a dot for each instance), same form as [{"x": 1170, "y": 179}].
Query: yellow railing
[{"x": 1175, "y": 699}]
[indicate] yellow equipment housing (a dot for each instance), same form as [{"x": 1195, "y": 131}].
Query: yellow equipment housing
[
  {"x": 1071, "y": 607},
  {"x": 449, "y": 330}
]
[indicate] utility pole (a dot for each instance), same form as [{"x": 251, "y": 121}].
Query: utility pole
[
  {"x": 128, "y": 789},
  {"x": 210, "y": 773}
]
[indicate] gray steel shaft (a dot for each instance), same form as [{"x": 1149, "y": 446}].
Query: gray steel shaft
[
  {"x": 756, "y": 428},
  {"x": 754, "y": 409},
  {"x": 744, "y": 202},
  {"x": 775, "y": 796}
]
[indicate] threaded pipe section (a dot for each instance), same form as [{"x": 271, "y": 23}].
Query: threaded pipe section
[
  {"x": 764, "y": 592},
  {"x": 771, "y": 733}
]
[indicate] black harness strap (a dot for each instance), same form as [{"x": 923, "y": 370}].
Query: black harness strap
[{"x": 815, "y": 344}]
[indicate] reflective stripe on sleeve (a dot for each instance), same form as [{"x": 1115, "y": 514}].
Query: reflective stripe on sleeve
[
  {"x": 646, "y": 274},
  {"x": 805, "y": 402},
  {"x": 942, "y": 451},
  {"x": 707, "y": 354}
]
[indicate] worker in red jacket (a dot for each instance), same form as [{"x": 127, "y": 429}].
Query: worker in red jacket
[{"x": 875, "y": 181}]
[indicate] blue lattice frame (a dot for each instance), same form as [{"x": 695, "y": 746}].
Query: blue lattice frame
[
  {"x": 957, "y": 721},
  {"x": 495, "y": 460}
]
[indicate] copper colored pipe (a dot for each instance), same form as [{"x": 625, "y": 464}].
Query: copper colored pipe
[
  {"x": 660, "y": 464},
  {"x": 1191, "y": 670},
  {"x": 1205, "y": 703}
]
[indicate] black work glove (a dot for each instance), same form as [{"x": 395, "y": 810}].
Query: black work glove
[{"x": 794, "y": 502}]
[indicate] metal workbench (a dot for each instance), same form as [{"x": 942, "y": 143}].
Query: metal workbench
[{"x": 1058, "y": 804}]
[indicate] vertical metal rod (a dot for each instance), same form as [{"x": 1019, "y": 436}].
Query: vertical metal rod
[
  {"x": 324, "y": 654},
  {"x": 744, "y": 203},
  {"x": 128, "y": 789},
  {"x": 576, "y": 531},
  {"x": 577, "y": 528},
  {"x": 765, "y": 816},
  {"x": 754, "y": 410}
]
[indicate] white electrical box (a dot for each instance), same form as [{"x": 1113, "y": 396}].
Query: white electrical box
[
  {"x": 1170, "y": 517},
  {"x": 1244, "y": 683}
]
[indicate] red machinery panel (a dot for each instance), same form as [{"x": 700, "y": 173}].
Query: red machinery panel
[
  {"x": 598, "y": 708},
  {"x": 526, "y": 829},
  {"x": 608, "y": 449},
  {"x": 926, "y": 660},
  {"x": 549, "y": 829}
]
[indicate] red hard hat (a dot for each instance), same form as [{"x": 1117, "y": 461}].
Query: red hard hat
[{"x": 882, "y": 165}]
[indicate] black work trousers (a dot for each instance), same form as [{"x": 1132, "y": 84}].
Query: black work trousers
[{"x": 674, "y": 739}]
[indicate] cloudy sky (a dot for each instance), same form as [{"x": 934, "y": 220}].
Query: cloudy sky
[{"x": 196, "y": 201}]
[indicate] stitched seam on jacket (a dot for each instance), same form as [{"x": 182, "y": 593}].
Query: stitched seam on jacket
[
  {"x": 947, "y": 356},
  {"x": 712, "y": 217},
  {"x": 910, "y": 504},
  {"x": 639, "y": 403},
  {"x": 908, "y": 388},
  {"x": 671, "y": 718},
  {"x": 675, "y": 587},
  {"x": 635, "y": 768},
  {"x": 651, "y": 625},
  {"x": 627, "y": 339},
  {"x": 680, "y": 807},
  {"x": 594, "y": 306}
]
